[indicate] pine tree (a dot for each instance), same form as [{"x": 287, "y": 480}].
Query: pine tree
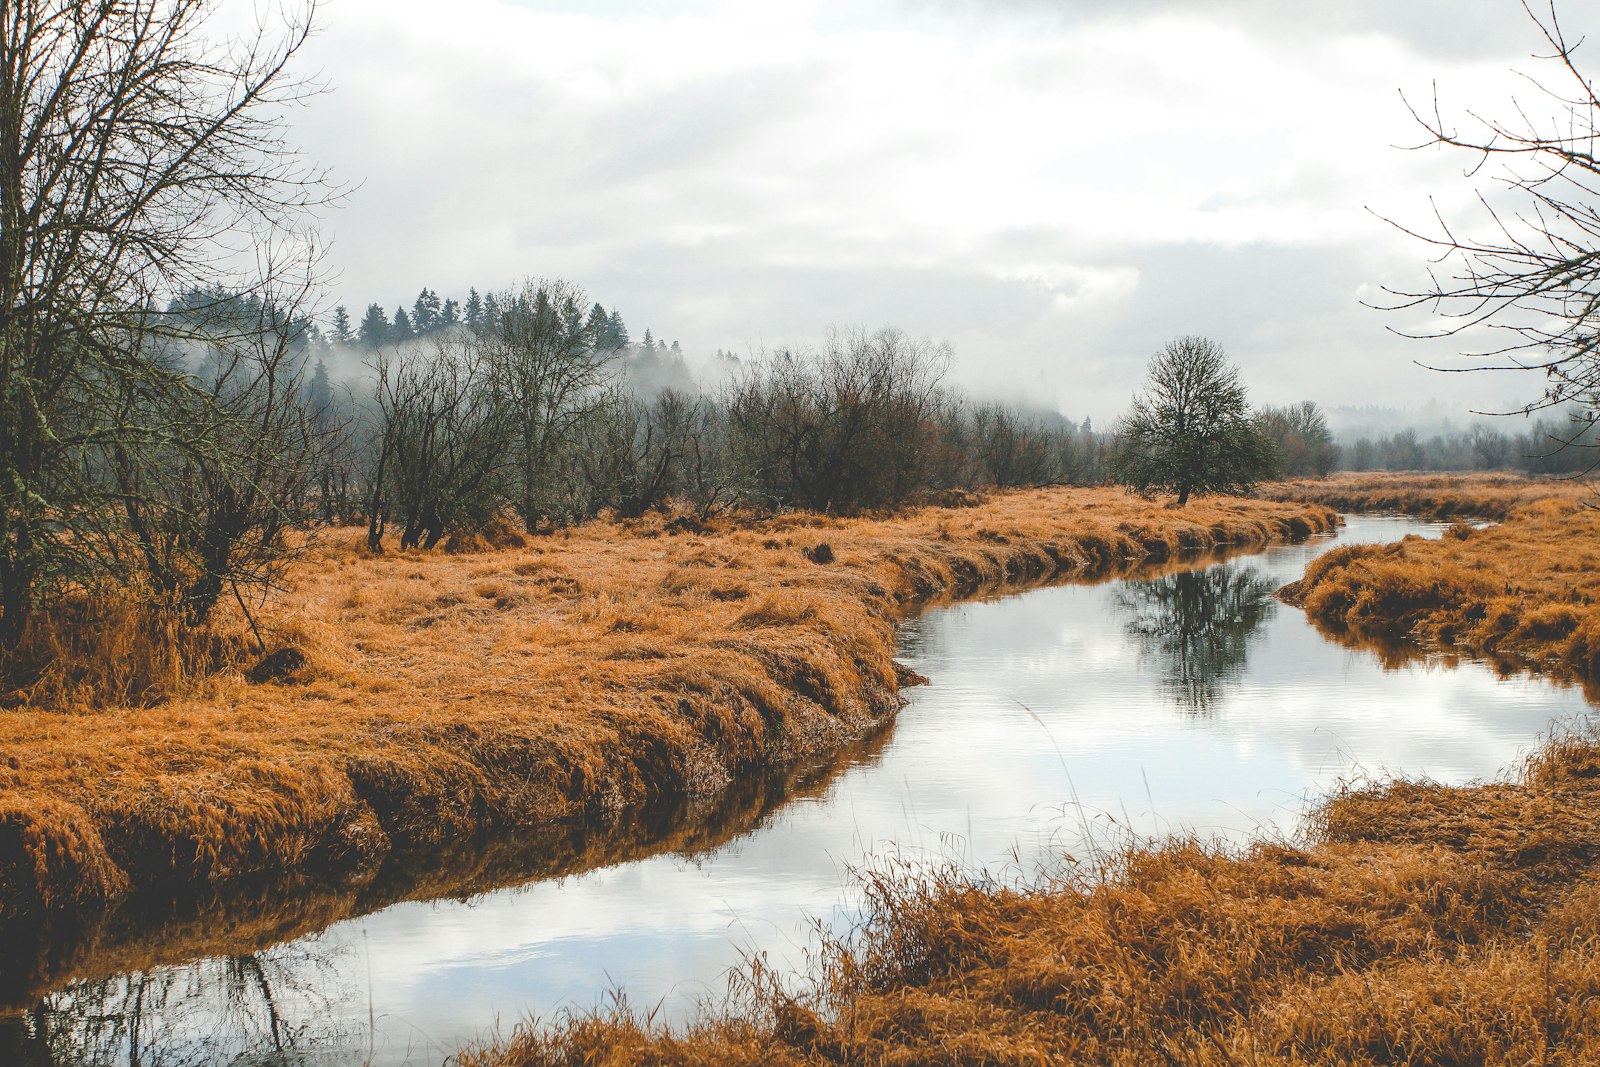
[
  {"x": 319, "y": 396},
  {"x": 474, "y": 308},
  {"x": 425, "y": 312},
  {"x": 401, "y": 330},
  {"x": 596, "y": 325},
  {"x": 616, "y": 332},
  {"x": 341, "y": 325},
  {"x": 491, "y": 311},
  {"x": 649, "y": 342},
  {"x": 374, "y": 329},
  {"x": 450, "y": 313}
]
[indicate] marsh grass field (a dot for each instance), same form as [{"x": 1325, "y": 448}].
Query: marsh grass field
[
  {"x": 1411, "y": 923},
  {"x": 412, "y": 701},
  {"x": 422, "y": 723}
]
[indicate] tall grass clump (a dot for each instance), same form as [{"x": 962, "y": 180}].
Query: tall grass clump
[{"x": 1411, "y": 924}]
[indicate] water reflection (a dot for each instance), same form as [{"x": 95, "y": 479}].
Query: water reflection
[
  {"x": 267, "y": 1009},
  {"x": 1196, "y": 628},
  {"x": 289, "y": 976}
]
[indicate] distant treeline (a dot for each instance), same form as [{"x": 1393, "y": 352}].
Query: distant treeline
[
  {"x": 533, "y": 405},
  {"x": 429, "y": 314},
  {"x": 1559, "y": 442},
  {"x": 535, "y": 412},
  {"x": 527, "y": 409}
]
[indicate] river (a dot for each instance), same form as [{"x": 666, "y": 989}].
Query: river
[{"x": 1059, "y": 722}]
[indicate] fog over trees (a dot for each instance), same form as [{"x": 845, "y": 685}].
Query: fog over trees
[{"x": 176, "y": 409}]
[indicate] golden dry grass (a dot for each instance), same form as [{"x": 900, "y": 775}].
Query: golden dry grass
[
  {"x": 38, "y": 957},
  {"x": 433, "y": 698},
  {"x": 1429, "y": 496},
  {"x": 1523, "y": 593},
  {"x": 1419, "y": 924},
  {"x": 1414, "y": 924}
]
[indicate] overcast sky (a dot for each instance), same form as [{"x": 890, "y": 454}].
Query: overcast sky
[{"x": 1056, "y": 188}]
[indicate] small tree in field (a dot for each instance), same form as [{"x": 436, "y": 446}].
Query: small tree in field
[{"x": 1191, "y": 432}]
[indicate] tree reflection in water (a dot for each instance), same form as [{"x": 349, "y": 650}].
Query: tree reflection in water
[
  {"x": 1196, "y": 626},
  {"x": 267, "y": 1009}
]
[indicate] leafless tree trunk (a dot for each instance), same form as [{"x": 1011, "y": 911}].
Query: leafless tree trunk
[{"x": 136, "y": 160}]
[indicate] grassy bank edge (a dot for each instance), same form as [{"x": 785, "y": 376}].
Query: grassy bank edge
[
  {"x": 811, "y": 669},
  {"x": 1415, "y": 924},
  {"x": 1522, "y": 593}
]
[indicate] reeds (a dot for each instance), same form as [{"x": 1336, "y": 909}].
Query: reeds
[
  {"x": 1415, "y": 924},
  {"x": 1524, "y": 593}
]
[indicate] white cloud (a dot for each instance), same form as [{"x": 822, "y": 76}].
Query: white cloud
[{"x": 731, "y": 173}]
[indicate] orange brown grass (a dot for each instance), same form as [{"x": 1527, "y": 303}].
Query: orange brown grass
[
  {"x": 1428, "y": 496},
  {"x": 1524, "y": 593},
  {"x": 1415, "y": 924},
  {"x": 611, "y": 668}
]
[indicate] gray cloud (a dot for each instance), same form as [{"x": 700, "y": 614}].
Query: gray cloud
[
  {"x": 1459, "y": 29},
  {"x": 1056, "y": 189}
]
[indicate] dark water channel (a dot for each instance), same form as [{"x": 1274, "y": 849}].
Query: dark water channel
[{"x": 1057, "y": 720}]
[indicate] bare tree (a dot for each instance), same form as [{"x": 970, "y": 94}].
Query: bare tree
[
  {"x": 440, "y": 459},
  {"x": 850, "y": 427},
  {"x": 550, "y": 376},
  {"x": 136, "y": 160},
  {"x": 1301, "y": 441},
  {"x": 208, "y": 502},
  {"x": 1191, "y": 431},
  {"x": 1530, "y": 274},
  {"x": 637, "y": 455}
]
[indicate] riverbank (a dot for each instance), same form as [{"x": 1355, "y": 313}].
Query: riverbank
[
  {"x": 1439, "y": 497},
  {"x": 1412, "y": 923},
  {"x": 1416, "y": 924},
  {"x": 426, "y": 700},
  {"x": 1523, "y": 593}
]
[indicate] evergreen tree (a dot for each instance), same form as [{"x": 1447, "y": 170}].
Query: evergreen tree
[
  {"x": 491, "y": 312},
  {"x": 616, "y": 332},
  {"x": 676, "y": 351},
  {"x": 319, "y": 397},
  {"x": 374, "y": 329},
  {"x": 649, "y": 342},
  {"x": 474, "y": 309},
  {"x": 596, "y": 325},
  {"x": 450, "y": 313},
  {"x": 401, "y": 330},
  {"x": 341, "y": 325},
  {"x": 425, "y": 312},
  {"x": 316, "y": 342}
]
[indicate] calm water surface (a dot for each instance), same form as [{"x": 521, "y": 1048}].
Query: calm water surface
[{"x": 1057, "y": 721}]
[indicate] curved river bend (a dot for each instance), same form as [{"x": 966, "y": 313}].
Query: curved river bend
[{"x": 1058, "y": 720}]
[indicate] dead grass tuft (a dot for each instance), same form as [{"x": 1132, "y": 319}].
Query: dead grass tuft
[
  {"x": 1524, "y": 593},
  {"x": 1410, "y": 927},
  {"x": 90, "y": 652}
]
